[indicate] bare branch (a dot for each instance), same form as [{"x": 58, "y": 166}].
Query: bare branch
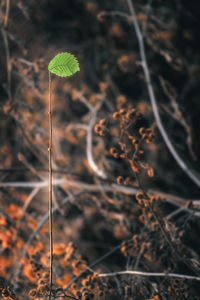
[
  {"x": 7, "y": 13},
  {"x": 89, "y": 129},
  {"x": 84, "y": 100},
  {"x": 116, "y": 188},
  {"x": 148, "y": 274},
  {"x": 152, "y": 97},
  {"x": 90, "y": 158},
  {"x": 30, "y": 198}
]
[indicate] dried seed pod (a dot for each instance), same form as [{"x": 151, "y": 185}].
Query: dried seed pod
[
  {"x": 102, "y": 131},
  {"x": 113, "y": 151},
  {"x": 142, "y": 131},
  {"x": 43, "y": 289},
  {"x": 97, "y": 128},
  {"x": 134, "y": 166},
  {"x": 42, "y": 281},
  {"x": 103, "y": 86},
  {"x": 150, "y": 172},
  {"x": 130, "y": 137},
  {"x": 121, "y": 100},
  {"x": 152, "y": 199},
  {"x": 32, "y": 293},
  {"x": 151, "y": 136},
  {"x": 116, "y": 115},
  {"x": 123, "y": 155},
  {"x": 120, "y": 180},
  {"x": 131, "y": 114},
  {"x": 85, "y": 282},
  {"x": 147, "y": 140},
  {"x": 45, "y": 275},
  {"x": 5, "y": 292},
  {"x": 127, "y": 181},
  {"x": 140, "y": 198},
  {"x": 122, "y": 111},
  {"x": 135, "y": 141},
  {"x": 78, "y": 294},
  {"x": 116, "y": 155},
  {"x": 135, "y": 239},
  {"x": 102, "y": 122},
  {"x": 146, "y": 202}
]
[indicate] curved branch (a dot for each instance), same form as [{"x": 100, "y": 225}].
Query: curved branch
[
  {"x": 152, "y": 97},
  {"x": 90, "y": 158}
]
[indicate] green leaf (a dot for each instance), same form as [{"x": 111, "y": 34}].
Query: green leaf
[{"x": 64, "y": 64}]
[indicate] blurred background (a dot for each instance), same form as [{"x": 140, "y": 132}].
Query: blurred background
[{"x": 102, "y": 36}]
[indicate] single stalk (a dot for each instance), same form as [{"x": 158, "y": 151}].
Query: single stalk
[
  {"x": 50, "y": 194},
  {"x": 63, "y": 65}
]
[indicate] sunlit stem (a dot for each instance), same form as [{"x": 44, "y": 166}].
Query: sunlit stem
[{"x": 50, "y": 193}]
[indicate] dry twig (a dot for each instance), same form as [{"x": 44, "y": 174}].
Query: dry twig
[
  {"x": 152, "y": 97},
  {"x": 148, "y": 274}
]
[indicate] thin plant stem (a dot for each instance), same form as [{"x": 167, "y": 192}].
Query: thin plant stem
[
  {"x": 5, "y": 38},
  {"x": 9, "y": 66},
  {"x": 50, "y": 193}
]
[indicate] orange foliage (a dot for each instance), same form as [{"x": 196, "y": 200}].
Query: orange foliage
[
  {"x": 64, "y": 281},
  {"x": 2, "y": 221},
  {"x": 14, "y": 211},
  {"x": 39, "y": 246},
  {"x": 23, "y": 260},
  {"x": 6, "y": 238},
  {"x": 44, "y": 229},
  {"x": 31, "y": 250},
  {"x": 32, "y": 223},
  {"x": 59, "y": 249},
  {"x": 28, "y": 272},
  {"x": 45, "y": 260},
  {"x": 19, "y": 243},
  {"x": 78, "y": 269},
  {"x": 5, "y": 262}
]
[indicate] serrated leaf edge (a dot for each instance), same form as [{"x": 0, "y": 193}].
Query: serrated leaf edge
[{"x": 71, "y": 56}]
